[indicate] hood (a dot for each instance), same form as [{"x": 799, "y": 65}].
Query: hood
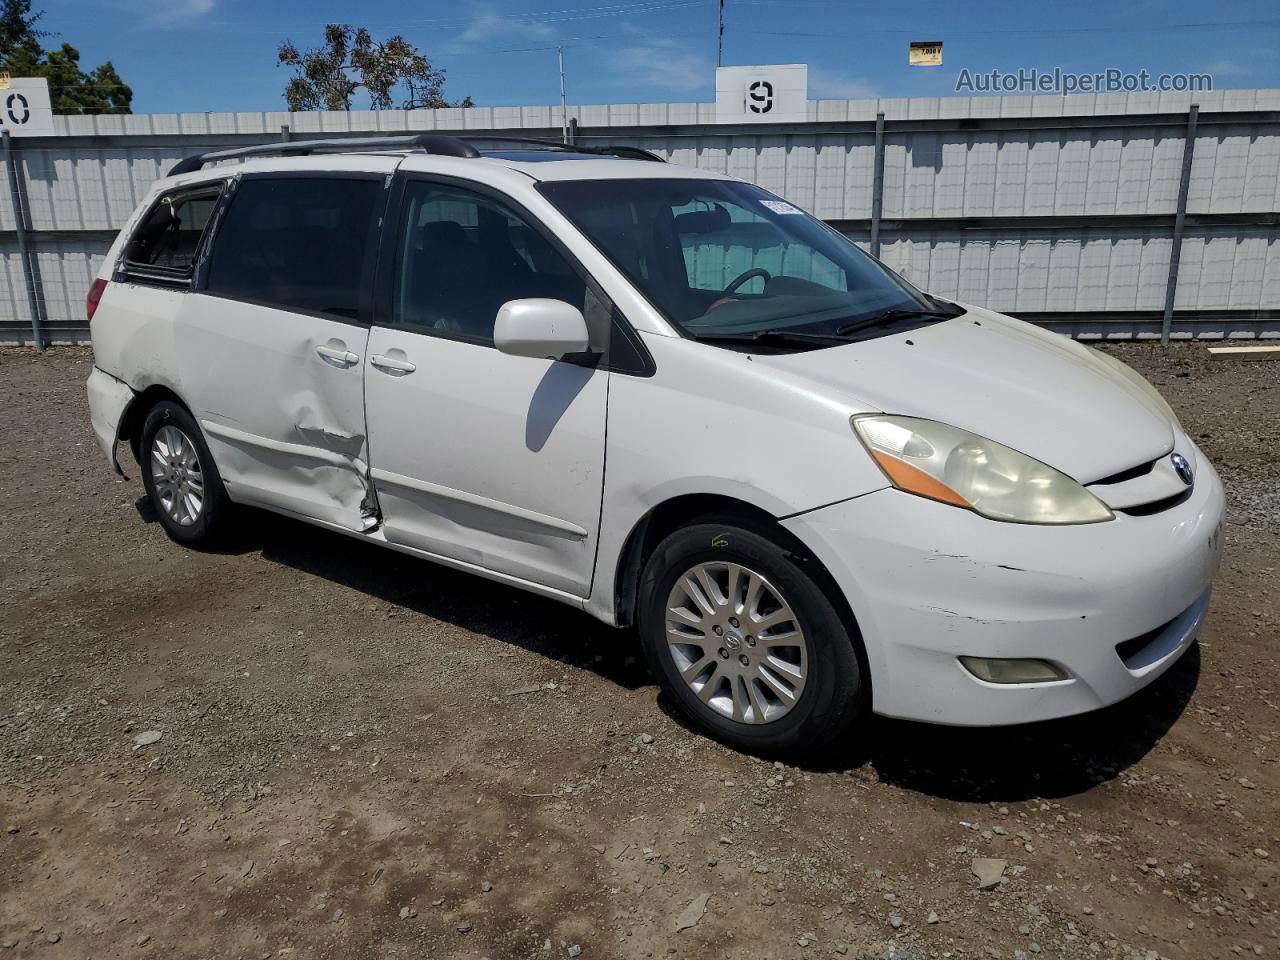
[{"x": 1035, "y": 391}]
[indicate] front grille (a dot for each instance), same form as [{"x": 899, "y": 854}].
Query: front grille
[
  {"x": 1156, "y": 506},
  {"x": 1141, "y": 470},
  {"x": 1142, "y": 490}
]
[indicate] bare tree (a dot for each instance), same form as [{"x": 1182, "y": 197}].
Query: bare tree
[{"x": 326, "y": 77}]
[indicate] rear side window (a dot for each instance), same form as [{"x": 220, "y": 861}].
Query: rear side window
[
  {"x": 165, "y": 244},
  {"x": 298, "y": 243}
]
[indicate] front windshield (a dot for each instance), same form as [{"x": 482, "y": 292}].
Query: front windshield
[{"x": 720, "y": 257}]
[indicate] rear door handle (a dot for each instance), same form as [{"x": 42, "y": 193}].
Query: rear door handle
[
  {"x": 391, "y": 365},
  {"x": 338, "y": 355}
]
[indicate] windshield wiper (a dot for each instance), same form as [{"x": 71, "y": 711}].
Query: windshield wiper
[
  {"x": 897, "y": 313},
  {"x": 779, "y": 337},
  {"x": 783, "y": 338}
]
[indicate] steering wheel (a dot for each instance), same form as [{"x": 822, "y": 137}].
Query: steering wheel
[{"x": 742, "y": 278}]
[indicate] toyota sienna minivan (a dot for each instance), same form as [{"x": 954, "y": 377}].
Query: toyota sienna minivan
[{"x": 671, "y": 399}]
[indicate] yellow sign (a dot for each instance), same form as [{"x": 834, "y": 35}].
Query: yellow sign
[
  {"x": 925, "y": 53},
  {"x": 4, "y": 79}
]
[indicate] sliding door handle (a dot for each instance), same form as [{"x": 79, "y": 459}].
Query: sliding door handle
[
  {"x": 337, "y": 355},
  {"x": 397, "y": 368}
]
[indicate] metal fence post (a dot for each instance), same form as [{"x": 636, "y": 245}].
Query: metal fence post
[
  {"x": 1179, "y": 221},
  {"x": 877, "y": 187},
  {"x": 29, "y": 276}
]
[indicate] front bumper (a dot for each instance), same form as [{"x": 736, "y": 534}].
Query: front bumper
[
  {"x": 108, "y": 400},
  {"x": 929, "y": 583}
]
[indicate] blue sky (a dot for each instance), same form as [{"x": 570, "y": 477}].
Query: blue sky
[{"x": 208, "y": 55}]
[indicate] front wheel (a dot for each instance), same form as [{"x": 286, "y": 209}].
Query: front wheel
[
  {"x": 180, "y": 477},
  {"x": 747, "y": 643}
]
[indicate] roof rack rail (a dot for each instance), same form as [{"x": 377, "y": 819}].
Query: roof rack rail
[
  {"x": 606, "y": 150},
  {"x": 426, "y": 142},
  {"x": 434, "y": 143}
]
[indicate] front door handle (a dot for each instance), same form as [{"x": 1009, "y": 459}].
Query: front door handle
[
  {"x": 391, "y": 365},
  {"x": 338, "y": 355}
]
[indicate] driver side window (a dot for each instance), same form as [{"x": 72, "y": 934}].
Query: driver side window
[
  {"x": 720, "y": 241},
  {"x": 463, "y": 254}
]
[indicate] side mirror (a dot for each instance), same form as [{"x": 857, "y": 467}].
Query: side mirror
[{"x": 546, "y": 329}]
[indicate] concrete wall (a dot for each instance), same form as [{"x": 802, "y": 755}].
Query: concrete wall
[{"x": 1057, "y": 208}]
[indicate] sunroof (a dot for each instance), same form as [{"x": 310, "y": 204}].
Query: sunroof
[{"x": 538, "y": 156}]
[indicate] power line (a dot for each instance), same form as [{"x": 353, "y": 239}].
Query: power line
[
  {"x": 1158, "y": 28},
  {"x": 652, "y": 6},
  {"x": 577, "y": 13},
  {"x": 566, "y": 42},
  {"x": 515, "y": 17}
]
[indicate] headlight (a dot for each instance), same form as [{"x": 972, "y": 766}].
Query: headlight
[{"x": 954, "y": 466}]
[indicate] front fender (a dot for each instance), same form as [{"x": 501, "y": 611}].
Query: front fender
[{"x": 716, "y": 422}]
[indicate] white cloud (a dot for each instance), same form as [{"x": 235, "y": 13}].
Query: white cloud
[
  {"x": 488, "y": 28},
  {"x": 828, "y": 85},
  {"x": 1248, "y": 64},
  {"x": 1226, "y": 68},
  {"x": 663, "y": 62},
  {"x": 179, "y": 11}
]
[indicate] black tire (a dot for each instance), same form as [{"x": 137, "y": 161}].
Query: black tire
[
  {"x": 834, "y": 694},
  {"x": 212, "y": 520}
]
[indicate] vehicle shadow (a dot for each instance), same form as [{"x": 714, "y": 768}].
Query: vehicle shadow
[
  {"x": 506, "y": 614},
  {"x": 1055, "y": 758}
]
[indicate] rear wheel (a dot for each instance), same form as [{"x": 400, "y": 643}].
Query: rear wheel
[
  {"x": 747, "y": 643},
  {"x": 180, "y": 477}
]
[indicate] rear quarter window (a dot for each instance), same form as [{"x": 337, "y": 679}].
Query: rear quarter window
[{"x": 165, "y": 244}]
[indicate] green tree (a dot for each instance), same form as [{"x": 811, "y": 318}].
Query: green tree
[
  {"x": 17, "y": 26},
  {"x": 71, "y": 89},
  {"x": 326, "y": 77}
]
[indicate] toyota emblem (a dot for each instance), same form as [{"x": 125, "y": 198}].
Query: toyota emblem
[{"x": 1182, "y": 468}]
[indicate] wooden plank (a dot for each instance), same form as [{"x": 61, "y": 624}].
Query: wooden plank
[{"x": 1245, "y": 353}]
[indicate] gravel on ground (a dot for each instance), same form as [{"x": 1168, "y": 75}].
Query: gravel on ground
[{"x": 304, "y": 746}]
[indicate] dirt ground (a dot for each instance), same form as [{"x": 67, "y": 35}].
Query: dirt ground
[{"x": 351, "y": 765}]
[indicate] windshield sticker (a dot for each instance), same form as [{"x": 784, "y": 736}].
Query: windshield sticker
[{"x": 781, "y": 206}]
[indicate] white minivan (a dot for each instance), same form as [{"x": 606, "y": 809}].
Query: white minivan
[{"x": 671, "y": 399}]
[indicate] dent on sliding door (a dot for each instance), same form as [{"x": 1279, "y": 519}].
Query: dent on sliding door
[
  {"x": 286, "y": 429},
  {"x": 272, "y": 349}
]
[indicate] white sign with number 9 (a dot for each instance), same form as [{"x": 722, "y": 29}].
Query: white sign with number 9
[
  {"x": 25, "y": 110},
  {"x": 765, "y": 94}
]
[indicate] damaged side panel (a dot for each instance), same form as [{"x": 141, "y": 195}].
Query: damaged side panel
[
  {"x": 280, "y": 398},
  {"x": 108, "y": 400}
]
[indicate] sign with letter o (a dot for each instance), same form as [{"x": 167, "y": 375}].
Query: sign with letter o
[{"x": 25, "y": 110}]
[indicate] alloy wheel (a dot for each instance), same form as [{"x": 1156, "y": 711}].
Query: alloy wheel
[
  {"x": 736, "y": 642},
  {"x": 176, "y": 473}
]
